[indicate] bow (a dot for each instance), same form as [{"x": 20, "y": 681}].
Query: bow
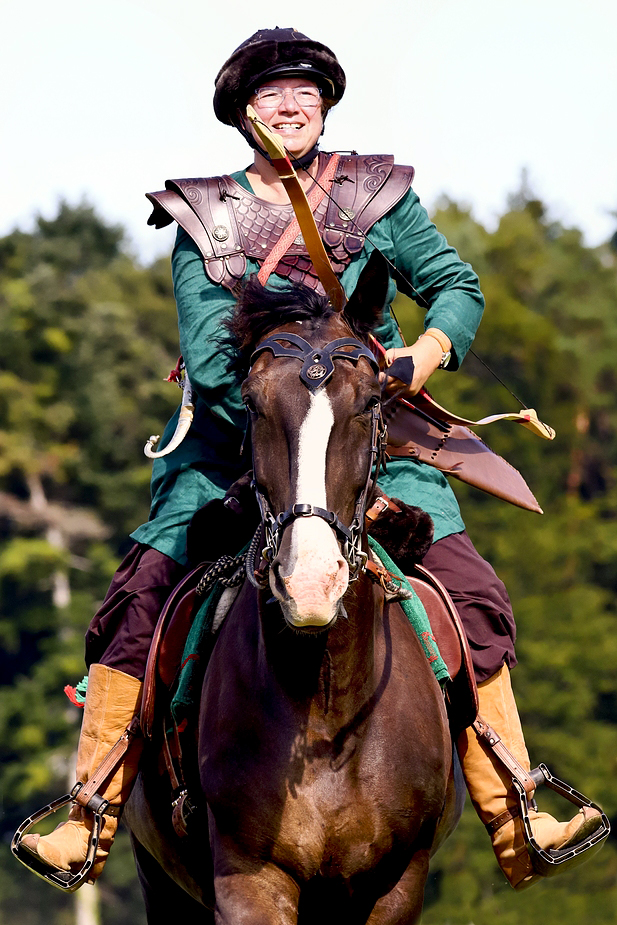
[
  {"x": 425, "y": 405},
  {"x": 289, "y": 178}
]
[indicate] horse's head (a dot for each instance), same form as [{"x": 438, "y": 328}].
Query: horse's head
[{"x": 312, "y": 394}]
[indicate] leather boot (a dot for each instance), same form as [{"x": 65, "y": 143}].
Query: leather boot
[
  {"x": 112, "y": 700},
  {"x": 491, "y": 791}
]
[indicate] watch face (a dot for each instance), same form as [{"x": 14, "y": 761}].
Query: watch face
[{"x": 445, "y": 359}]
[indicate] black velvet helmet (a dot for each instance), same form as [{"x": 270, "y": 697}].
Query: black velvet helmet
[{"x": 269, "y": 53}]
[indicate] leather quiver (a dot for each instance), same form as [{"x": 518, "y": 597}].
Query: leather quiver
[{"x": 457, "y": 451}]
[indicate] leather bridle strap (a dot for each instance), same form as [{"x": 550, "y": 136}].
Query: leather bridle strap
[
  {"x": 316, "y": 370},
  {"x": 317, "y": 366},
  {"x": 350, "y": 537}
]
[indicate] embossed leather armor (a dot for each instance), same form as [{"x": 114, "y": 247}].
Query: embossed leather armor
[{"x": 229, "y": 224}]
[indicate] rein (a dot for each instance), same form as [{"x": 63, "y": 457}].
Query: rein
[{"x": 317, "y": 369}]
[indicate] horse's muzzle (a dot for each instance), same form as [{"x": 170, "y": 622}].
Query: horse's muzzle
[{"x": 309, "y": 576}]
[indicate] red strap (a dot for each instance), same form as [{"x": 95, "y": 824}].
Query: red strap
[{"x": 293, "y": 229}]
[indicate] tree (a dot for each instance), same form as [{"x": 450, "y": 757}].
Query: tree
[
  {"x": 86, "y": 337},
  {"x": 550, "y": 330}
]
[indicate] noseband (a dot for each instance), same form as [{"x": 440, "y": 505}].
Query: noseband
[{"x": 317, "y": 369}]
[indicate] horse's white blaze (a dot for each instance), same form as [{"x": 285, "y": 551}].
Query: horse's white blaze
[
  {"x": 312, "y": 448},
  {"x": 311, "y": 566}
]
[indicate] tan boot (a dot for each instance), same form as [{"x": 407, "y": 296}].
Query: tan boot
[
  {"x": 491, "y": 791},
  {"x": 112, "y": 701}
]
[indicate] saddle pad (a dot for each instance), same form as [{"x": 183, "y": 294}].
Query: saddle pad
[
  {"x": 196, "y": 651},
  {"x": 195, "y": 657},
  {"x": 415, "y": 612}
]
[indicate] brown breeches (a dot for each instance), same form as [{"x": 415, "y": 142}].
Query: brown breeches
[
  {"x": 122, "y": 629},
  {"x": 481, "y": 600}
]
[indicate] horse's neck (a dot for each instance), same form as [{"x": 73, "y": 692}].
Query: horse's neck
[{"x": 333, "y": 671}]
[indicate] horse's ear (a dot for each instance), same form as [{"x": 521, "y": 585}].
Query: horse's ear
[{"x": 368, "y": 299}]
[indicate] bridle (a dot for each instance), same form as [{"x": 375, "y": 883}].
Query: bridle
[{"x": 317, "y": 369}]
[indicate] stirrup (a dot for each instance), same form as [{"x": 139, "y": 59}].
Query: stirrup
[
  {"x": 64, "y": 880},
  {"x": 554, "y": 861}
]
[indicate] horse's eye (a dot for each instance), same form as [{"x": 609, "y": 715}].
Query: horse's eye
[
  {"x": 249, "y": 404},
  {"x": 371, "y": 403}
]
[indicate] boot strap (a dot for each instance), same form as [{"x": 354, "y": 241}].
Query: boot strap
[
  {"x": 87, "y": 795},
  {"x": 497, "y": 822}
]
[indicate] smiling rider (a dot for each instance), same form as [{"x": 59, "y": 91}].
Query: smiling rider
[{"x": 228, "y": 227}]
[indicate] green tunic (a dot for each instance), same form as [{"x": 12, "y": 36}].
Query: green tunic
[{"x": 208, "y": 460}]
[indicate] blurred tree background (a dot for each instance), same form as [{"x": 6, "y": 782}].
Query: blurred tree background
[{"x": 86, "y": 338}]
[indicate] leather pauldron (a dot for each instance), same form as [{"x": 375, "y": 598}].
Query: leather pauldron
[{"x": 229, "y": 224}]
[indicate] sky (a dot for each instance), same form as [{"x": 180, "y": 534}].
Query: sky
[{"x": 105, "y": 101}]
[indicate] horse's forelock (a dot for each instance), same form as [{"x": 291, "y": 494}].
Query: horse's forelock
[{"x": 260, "y": 310}]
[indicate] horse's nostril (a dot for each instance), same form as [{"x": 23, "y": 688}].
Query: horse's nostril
[{"x": 276, "y": 582}]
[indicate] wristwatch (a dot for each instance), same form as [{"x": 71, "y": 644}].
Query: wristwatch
[{"x": 439, "y": 337}]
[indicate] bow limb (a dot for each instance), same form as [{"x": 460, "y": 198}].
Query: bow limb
[
  {"x": 527, "y": 417},
  {"x": 306, "y": 220},
  {"x": 185, "y": 420},
  {"x": 424, "y": 402}
]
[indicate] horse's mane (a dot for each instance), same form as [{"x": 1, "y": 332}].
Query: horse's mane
[{"x": 260, "y": 310}]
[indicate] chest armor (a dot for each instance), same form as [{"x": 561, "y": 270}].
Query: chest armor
[{"x": 229, "y": 224}]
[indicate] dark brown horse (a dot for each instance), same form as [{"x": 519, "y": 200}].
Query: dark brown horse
[{"x": 325, "y": 758}]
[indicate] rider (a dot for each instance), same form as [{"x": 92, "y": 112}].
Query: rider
[{"x": 292, "y": 82}]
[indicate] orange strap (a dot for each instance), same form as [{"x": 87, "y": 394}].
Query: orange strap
[{"x": 293, "y": 229}]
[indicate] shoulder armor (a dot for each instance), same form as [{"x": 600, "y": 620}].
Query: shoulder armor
[
  {"x": 229, "y": 223},
  {"x": 202, "y": 207},
  {"x": 365, "y": 188}
]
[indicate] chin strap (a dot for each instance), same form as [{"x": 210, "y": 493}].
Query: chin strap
[{"x": 289, "y": 178}]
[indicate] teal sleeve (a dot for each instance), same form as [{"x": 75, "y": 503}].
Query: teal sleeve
[
  {"x": 202, "y": 308},
  {"x": 447, "y": 284}
]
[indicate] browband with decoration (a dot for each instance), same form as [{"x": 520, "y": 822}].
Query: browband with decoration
[{"x": 317, "y": 367}]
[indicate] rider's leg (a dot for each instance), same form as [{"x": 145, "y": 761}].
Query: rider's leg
[
  {"x": 492, "y": 794},
  {"x": 111, "y": 702},
  {"x": 484, "y": 607},
  {"x": 119, "y": 639}
]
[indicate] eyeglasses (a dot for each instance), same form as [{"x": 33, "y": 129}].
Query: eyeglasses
[{"x": 272, "y": 97}]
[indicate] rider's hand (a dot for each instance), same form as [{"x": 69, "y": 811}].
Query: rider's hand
[{"x": 426, "y": 355}]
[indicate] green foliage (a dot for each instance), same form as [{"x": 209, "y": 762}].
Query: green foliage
[
  {"x": 86, "y": 337},
  {"x": 550, "y": 332}
]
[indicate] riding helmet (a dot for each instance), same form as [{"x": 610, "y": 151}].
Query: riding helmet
[{"x": 274, "y": 52}]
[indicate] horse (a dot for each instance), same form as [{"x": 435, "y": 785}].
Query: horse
[{"x": 325, "y": 760}]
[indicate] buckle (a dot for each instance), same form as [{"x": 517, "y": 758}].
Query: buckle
[
  {"x": 183, "y": 811},
  {"x": 551, "y": 862},
  {"x": 64, "y": 880},
  {"x": 377, "y": 508}
]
